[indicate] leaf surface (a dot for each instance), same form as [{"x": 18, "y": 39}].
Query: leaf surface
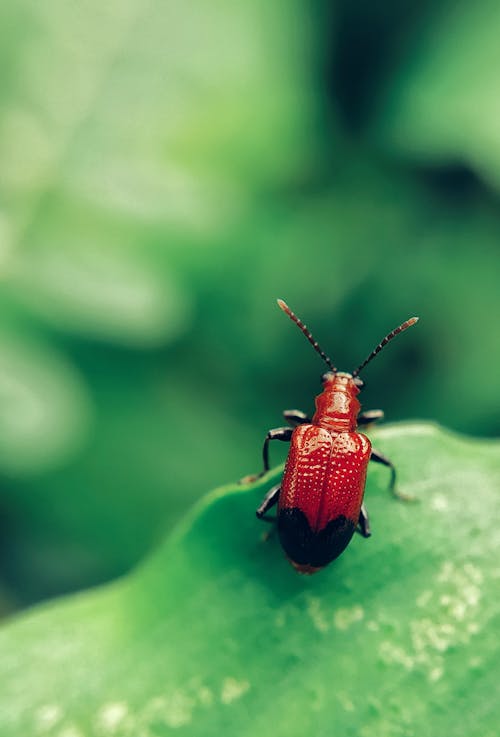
[{"x": 216, "y": 633}]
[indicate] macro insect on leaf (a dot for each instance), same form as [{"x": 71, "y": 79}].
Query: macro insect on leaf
[{"x": 320, "y": 497}]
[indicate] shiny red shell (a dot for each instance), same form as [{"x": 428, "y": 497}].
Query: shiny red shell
[{"x": 325, "y": 472}]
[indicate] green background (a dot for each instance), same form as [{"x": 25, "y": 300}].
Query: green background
[{"x": 168, "y": 170}]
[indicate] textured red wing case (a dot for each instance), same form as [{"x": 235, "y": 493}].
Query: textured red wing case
[{"x": 325, "y": 474}]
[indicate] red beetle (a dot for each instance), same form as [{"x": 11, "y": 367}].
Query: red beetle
[{"x": 320, "y": 498}]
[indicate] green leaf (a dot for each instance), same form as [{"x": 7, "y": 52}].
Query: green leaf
[{"x": 216, "y": 633}]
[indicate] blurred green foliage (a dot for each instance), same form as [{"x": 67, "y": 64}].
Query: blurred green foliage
[{"x": 167, "y": 171}]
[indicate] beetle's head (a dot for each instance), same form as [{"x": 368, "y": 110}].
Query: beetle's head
[{"x": 342, "y": 378}]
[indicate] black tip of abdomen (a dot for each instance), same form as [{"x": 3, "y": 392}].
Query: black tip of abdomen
[{"x": 306, "y": 547}]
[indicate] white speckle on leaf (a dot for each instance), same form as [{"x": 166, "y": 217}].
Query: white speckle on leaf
[
  {"x": 178, "y": 709},
  {"x": 392, "y": 653},
  {"x": 446, "y": 572},
  {"x": 174, "y": 710},
  {"x": 471, "y": 595},
  {"x": 205, "y": 696},
  {"x": 171, "y": 710},
  {"x": 435, "y": 674},
  {"x": 111, "y": 716},
  {"x": 47, "y": 716},
  {"x": 459, "y": 610},
  {"x": 426, "y": 634},
  {"x": 448, "y": 622},
  {"x": 346, "y": 616},
  {"x": 439, "y": 503},
  {"x": 232, "y": 690},
  {"x": 318, "y": 617},
  {"x": 473, "y": 573}
]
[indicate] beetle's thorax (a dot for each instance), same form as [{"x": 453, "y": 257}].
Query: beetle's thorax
[{"x": 337, "y": 407}]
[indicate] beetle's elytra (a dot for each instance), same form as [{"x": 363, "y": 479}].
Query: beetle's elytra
[{"x": 320, "y": 497}]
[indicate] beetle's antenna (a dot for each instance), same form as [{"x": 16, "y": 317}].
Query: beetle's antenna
[
  {"x": 384, "y": 342},
  {"x": 283, "y": 305}
]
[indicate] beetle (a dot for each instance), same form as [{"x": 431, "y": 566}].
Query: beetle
[{"x": 320, "y": 497}]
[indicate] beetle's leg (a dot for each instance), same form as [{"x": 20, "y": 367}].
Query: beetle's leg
[
  {"x": 279, "y": 433},
  {"x": 295, "y": 417},
  {"x": 379, "y": 458},
  {"x": 364, "y": 523},
  {"x": 371, "y": 416},
  {"x": 268, "y": 502}
]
